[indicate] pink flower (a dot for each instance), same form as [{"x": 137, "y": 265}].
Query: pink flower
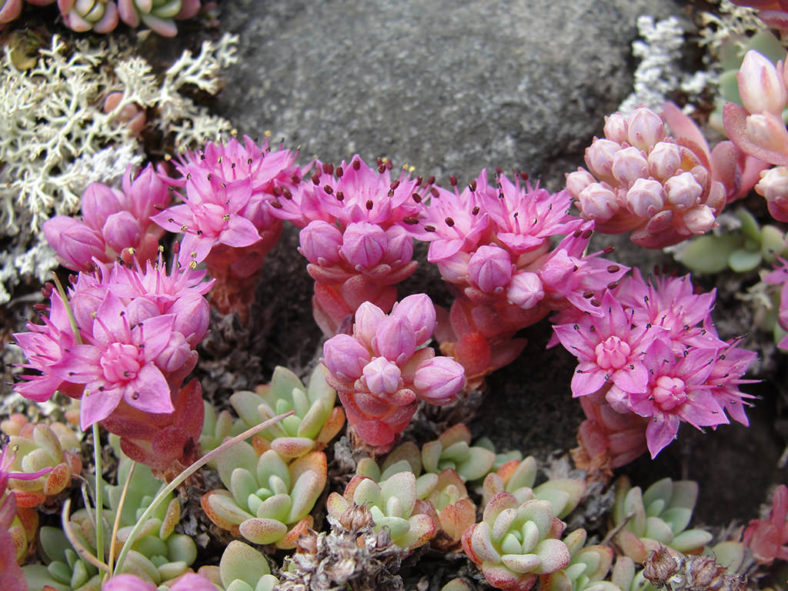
[
  {"x": 609, "y": 347},
  {"x": 768, "y": 538},
  {"x": 126, "y": 582},
  {"x": 438, "y": 380}
]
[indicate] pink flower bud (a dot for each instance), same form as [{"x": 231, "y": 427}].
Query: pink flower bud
[
  {"x": 192, "y": 315},
  {"x": 664, "y": 160},
  {"x": 74, "y": 243},
  {"x": 455, "y": 268},
  {"x": 382, "y": 376},
  {"x": 127, "y": 583},
  {"x": 190, "y": 581},
  {"x": 98, "y": 203},
  {"x": 419, "y": 311},
  {"x": 761, "y": 87},
  {"x": 439, "y": 380},
  {"x": 525, "y": 290},
  {"x": 683, "y": 191},
  {"x": 616, "y": 126},
  {"x": 645, "y": 198},
  {"x": 368, "y": 318},
  {"x": 175, "y": 354},
  {"x": 700, "y": 219},
  {"x": 597, "y": 202},
  {"x": 363, "y": 244},
  {"x": 629, "y": 165},
  {"x": 399, "y": 249},
  {"x": 557, "y": 268},
  {"x": 394, "y": 339},
  {"x": 767, "y": 131},
  {"x": 599, "y": 158},
  {"x": 121, "y": 230},
  {"x": 774, "y": 186},
  {"x": 146, "y": 194},
  {"x": 320, "y": 243},
  {"x": 345, "y": 357},
  {"x": 577, "y": 181},
  {"x": 490, "y": 268},
  {"x": 646, "y": 128},
  {"x": 141, "y": 308}
]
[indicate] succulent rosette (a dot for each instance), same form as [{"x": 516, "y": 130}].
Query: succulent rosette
[
  {"x": 385, "y": 367},
  {"x": 159, "y": 15},
  {"x": 515, "y": 543},
  {"x": 81, "y": 16},
  {"x": 353, "y": 220}
]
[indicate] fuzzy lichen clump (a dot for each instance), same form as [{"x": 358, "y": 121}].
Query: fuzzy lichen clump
[{"x": 59, "y": 131}]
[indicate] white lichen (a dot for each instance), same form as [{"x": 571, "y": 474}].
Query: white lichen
[
  {"x": 55, "y": 138},
  {"x": 659, "y": 73}
]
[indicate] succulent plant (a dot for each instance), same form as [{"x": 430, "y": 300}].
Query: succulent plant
[
  {"x": 454, "y": 510},
  {"x": 40, "y": 446},
  {"x": 516, "y": 543},
  {"x": 587, "y": 568},
  {"x": 316, "y": 421},
  {"x": 241, "y": 568},
  {"x": 500, "y": 457},
  {"x": 267, "y": 500},
  {"x": 100, "y": 16},
  {"x": 518, "y": 478},
  {"x": 393, "y": 504},
  {"x": 158, "y": 554},
  {"x": 157, "y": 14},
  {"x": 453, "y": 449},
  {"x": 216, "y": 427},
  {"x": 660, "y": 515},
  {"x": 743, "y": 249}
]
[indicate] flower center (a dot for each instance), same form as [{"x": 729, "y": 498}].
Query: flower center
[
  {"x": 668, "y": 393},
  {"x": 612, "y": 353},
  {"x": 120, "y": 363}
]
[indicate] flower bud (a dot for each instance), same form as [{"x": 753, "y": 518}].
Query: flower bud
[
  {"x": 629, "y": 165},
  {"x": 394, "y": 339},
  {"x": 419, "y": 311},
  {"x": 646, "y": 128},
  {"x": 439, "y": 380},
  {"x": 368, "y": 318},
  {"x": 399, "y": 249},
  {"x": 455, "y": 268},
  {"x": 490, "y": 268},
  {"x": 345, "y": 357},
  {"x": 577, "y": 181},
  {"x": 761, "y": 87},
  {"x": 146, "y": 194},
  {"x": 645, "y": 198},
  {"x": 597, "y": 202},
  {"x": 363, "y": 244},
  {"x": 320, "y": 243},
  {"x": 683, "y": 191},
  {"x": 128, "y": 583},
  {"x": 175, "y": 354},
  {"x": 98, "y": 203},
  {"x": 191, "y": 581},
  {"x": 616, "y": 126},
  {"x": 74, "y": 243},
  {"x": 774, "y": 187},
  {"x": 382, "y": 376},
  {"x": 557, "y": 268},
  {"x": 525, "y": 290},
  {"x": 192, "y": 316},
  {"x": 700, "y": 219},
  {"x": 767, "y": 131},
  {"x": 599, "y": 158},
  {"x": 140, "y": 309},
  {"x": 121, "y": 230},
  {"x": 664, "y": 160}
]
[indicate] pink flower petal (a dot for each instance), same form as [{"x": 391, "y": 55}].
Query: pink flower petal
[
  {"x": 97, "y": 406},
  {"x": 239, "y": 232},
  {"x": 150, "y": 391}
]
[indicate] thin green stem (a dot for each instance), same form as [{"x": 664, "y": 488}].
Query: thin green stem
[
  {"x": 119, "y": 510},
  {"x": 183, "y": 476}
]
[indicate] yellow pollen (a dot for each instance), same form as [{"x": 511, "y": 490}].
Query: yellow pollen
[
  {"x": 233, "y": 132},
  {"x": 267, "y": 133},
  {"x": 192, "y": 265}
]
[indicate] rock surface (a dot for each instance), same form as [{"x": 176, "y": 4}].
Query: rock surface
[{"x": 448, "y": 87}]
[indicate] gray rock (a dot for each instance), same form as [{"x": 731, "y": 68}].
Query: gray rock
[{"x": 449, "y": 87}]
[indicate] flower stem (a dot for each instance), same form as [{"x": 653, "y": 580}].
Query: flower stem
[
  {"x": 183, "y": 476},
  {"x": 98, "y": 493}
]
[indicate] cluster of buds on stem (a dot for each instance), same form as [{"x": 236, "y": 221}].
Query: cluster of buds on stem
[
  {"x": 352, "y": 219},
  {"x": 385, "y": 367},
  {"x": 493, "y": 244},
  {"x": 115, "y": 223},
  {"x": 225, "y": 218}
]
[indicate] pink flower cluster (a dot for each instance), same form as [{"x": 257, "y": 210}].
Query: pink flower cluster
[
  {"x": 384, "y": 368},
  {"x": 115, "y": 223},
  {"x": 353, "y": 220},
  {"x": 137, "y": 330},
  {"x": 226, "y": 218},
  {"x": 661, "y": 189},
  {"x": 652, "y": 350},
  {"x": 758, "y": 128},
  {"x": 493, "y": 244}
]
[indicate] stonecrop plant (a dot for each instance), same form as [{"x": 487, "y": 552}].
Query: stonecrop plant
[{"x": 335, "y": 506}]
